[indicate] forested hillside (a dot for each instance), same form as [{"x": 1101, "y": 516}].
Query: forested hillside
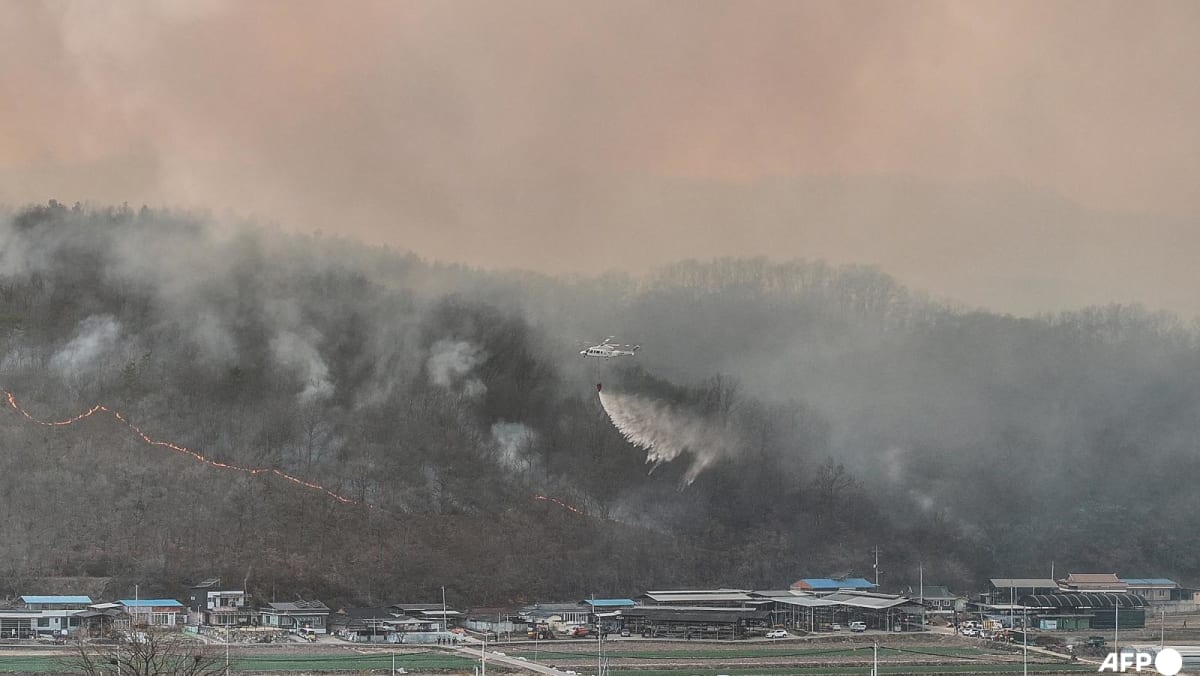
[{"x": 443, "y": 401}]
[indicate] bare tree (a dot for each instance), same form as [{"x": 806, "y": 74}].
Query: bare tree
[{"x": 148, "y": 653}]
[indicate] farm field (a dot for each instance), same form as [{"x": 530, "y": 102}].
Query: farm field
[
  {"x": 833, "y": 657},
  {"x": 925, "y": 655}
]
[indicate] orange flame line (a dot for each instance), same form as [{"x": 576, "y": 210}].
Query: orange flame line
[
  {"x": 560, "y": 503},
  {"x": 201, "y": 458},
  {"x": 196, "y": 455}
]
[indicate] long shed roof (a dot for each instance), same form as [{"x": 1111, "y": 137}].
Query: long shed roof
[
  {"x": 1024, "y": 582},
  {"x": 611, "y": 603},
  {"x": 698, "y": 596},
  {"x": 299, "y": 606},
  {"x": 56, "y": 599},
  {"x": 805, "y": 601},
  {"x": 1083, "y": 600},
  {"x": 1151, "y": 582},
  {"x": 876, "y": 601},
  {"x": 825, "y": 583},
  {"x": 696, "y": 614}
]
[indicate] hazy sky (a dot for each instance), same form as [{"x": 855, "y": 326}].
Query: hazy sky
[{"x": 1021, "y": 156}]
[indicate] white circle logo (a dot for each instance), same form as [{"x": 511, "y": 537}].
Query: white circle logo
[{"x": 1168, "y": 661}]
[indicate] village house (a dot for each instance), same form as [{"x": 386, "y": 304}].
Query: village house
[
  {"x": 370, "y": 625},
  {"x": 1157, "y": 589},
  {"x": 103, "y": 620},
  {"x": 42, "y": 616},
  {"x": 559, "y": 617},
  {"x": 210, "y": 605},
  {"x": 502, "y": 622},
  {"x": 298, "y": 615},
  {"x": 1093, "y": 582},
  {"x": 161, "y": 613},
  {"x": 431, "y": 616},
  {"x": 938, "y": 600}
]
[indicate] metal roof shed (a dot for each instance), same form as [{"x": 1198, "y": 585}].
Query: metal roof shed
[
  {"x": 56, "y": 600},
  {"x": 611, "y": 603},
  {"x": 1102, "y": 600}
]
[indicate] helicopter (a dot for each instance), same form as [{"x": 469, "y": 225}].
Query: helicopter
[{"x": 609, "y": 349}]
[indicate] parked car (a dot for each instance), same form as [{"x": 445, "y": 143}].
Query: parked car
[
  {"x": 579, "y": 632},
  {"x": 777, "y": 633},
  {"x": 857, "y": 626},
  {"x": 835, "y": 627},
  {"x": 624, "y": 633}
]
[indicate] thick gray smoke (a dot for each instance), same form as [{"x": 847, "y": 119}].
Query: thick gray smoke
[
  {"x": 666, "y": 432},
  {"x": 450, "y": 364},
  {"x": 96, "y": 337},
  {"x": 298, "y": 353},
  {"x": 513, "y": 443}
]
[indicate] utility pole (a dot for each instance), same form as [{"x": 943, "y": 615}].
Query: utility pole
[
  {"x": 1012, "y": 602},
  {"x": 1025, "y": 640},
  {"x": 1117, "y": 626},
  {"x": 875, "y": 661},
  {"x": 921, "y": 574},
  {"x": 876, "y": 567}
]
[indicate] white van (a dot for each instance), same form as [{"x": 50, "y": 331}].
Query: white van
[{"x": 857, "y": 626}]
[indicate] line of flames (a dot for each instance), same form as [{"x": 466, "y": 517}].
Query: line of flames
[
  {"x": 196, "y": 455},
  {"x": 201, "y": 458},
  {"x": 560, "y": 503}
]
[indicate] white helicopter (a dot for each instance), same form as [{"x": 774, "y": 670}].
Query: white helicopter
[{"x": 609, "y": 349}]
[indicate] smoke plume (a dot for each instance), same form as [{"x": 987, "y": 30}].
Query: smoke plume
[
  {"x": 299, "y": 354},
  {"x": 513, "y": 441},
  {"x": 96, "y": 337},
  {"x": 666, "y": 432},
  {"x": 451, "y": 363}
]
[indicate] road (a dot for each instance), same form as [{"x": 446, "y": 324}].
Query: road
[{"x": 474, "y": 653}]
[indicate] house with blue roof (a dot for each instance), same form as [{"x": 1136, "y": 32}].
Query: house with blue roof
[
  {"x": 826, "y": 585},
  {"x": 56, "y": 602},
  {"x": 42, "y": 616},
  {"x": 164, "y": 613},
  {"x": 1156, "y": 589}
]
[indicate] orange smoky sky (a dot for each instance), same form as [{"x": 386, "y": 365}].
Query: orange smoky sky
[{"x": 1022, "y": 156}]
